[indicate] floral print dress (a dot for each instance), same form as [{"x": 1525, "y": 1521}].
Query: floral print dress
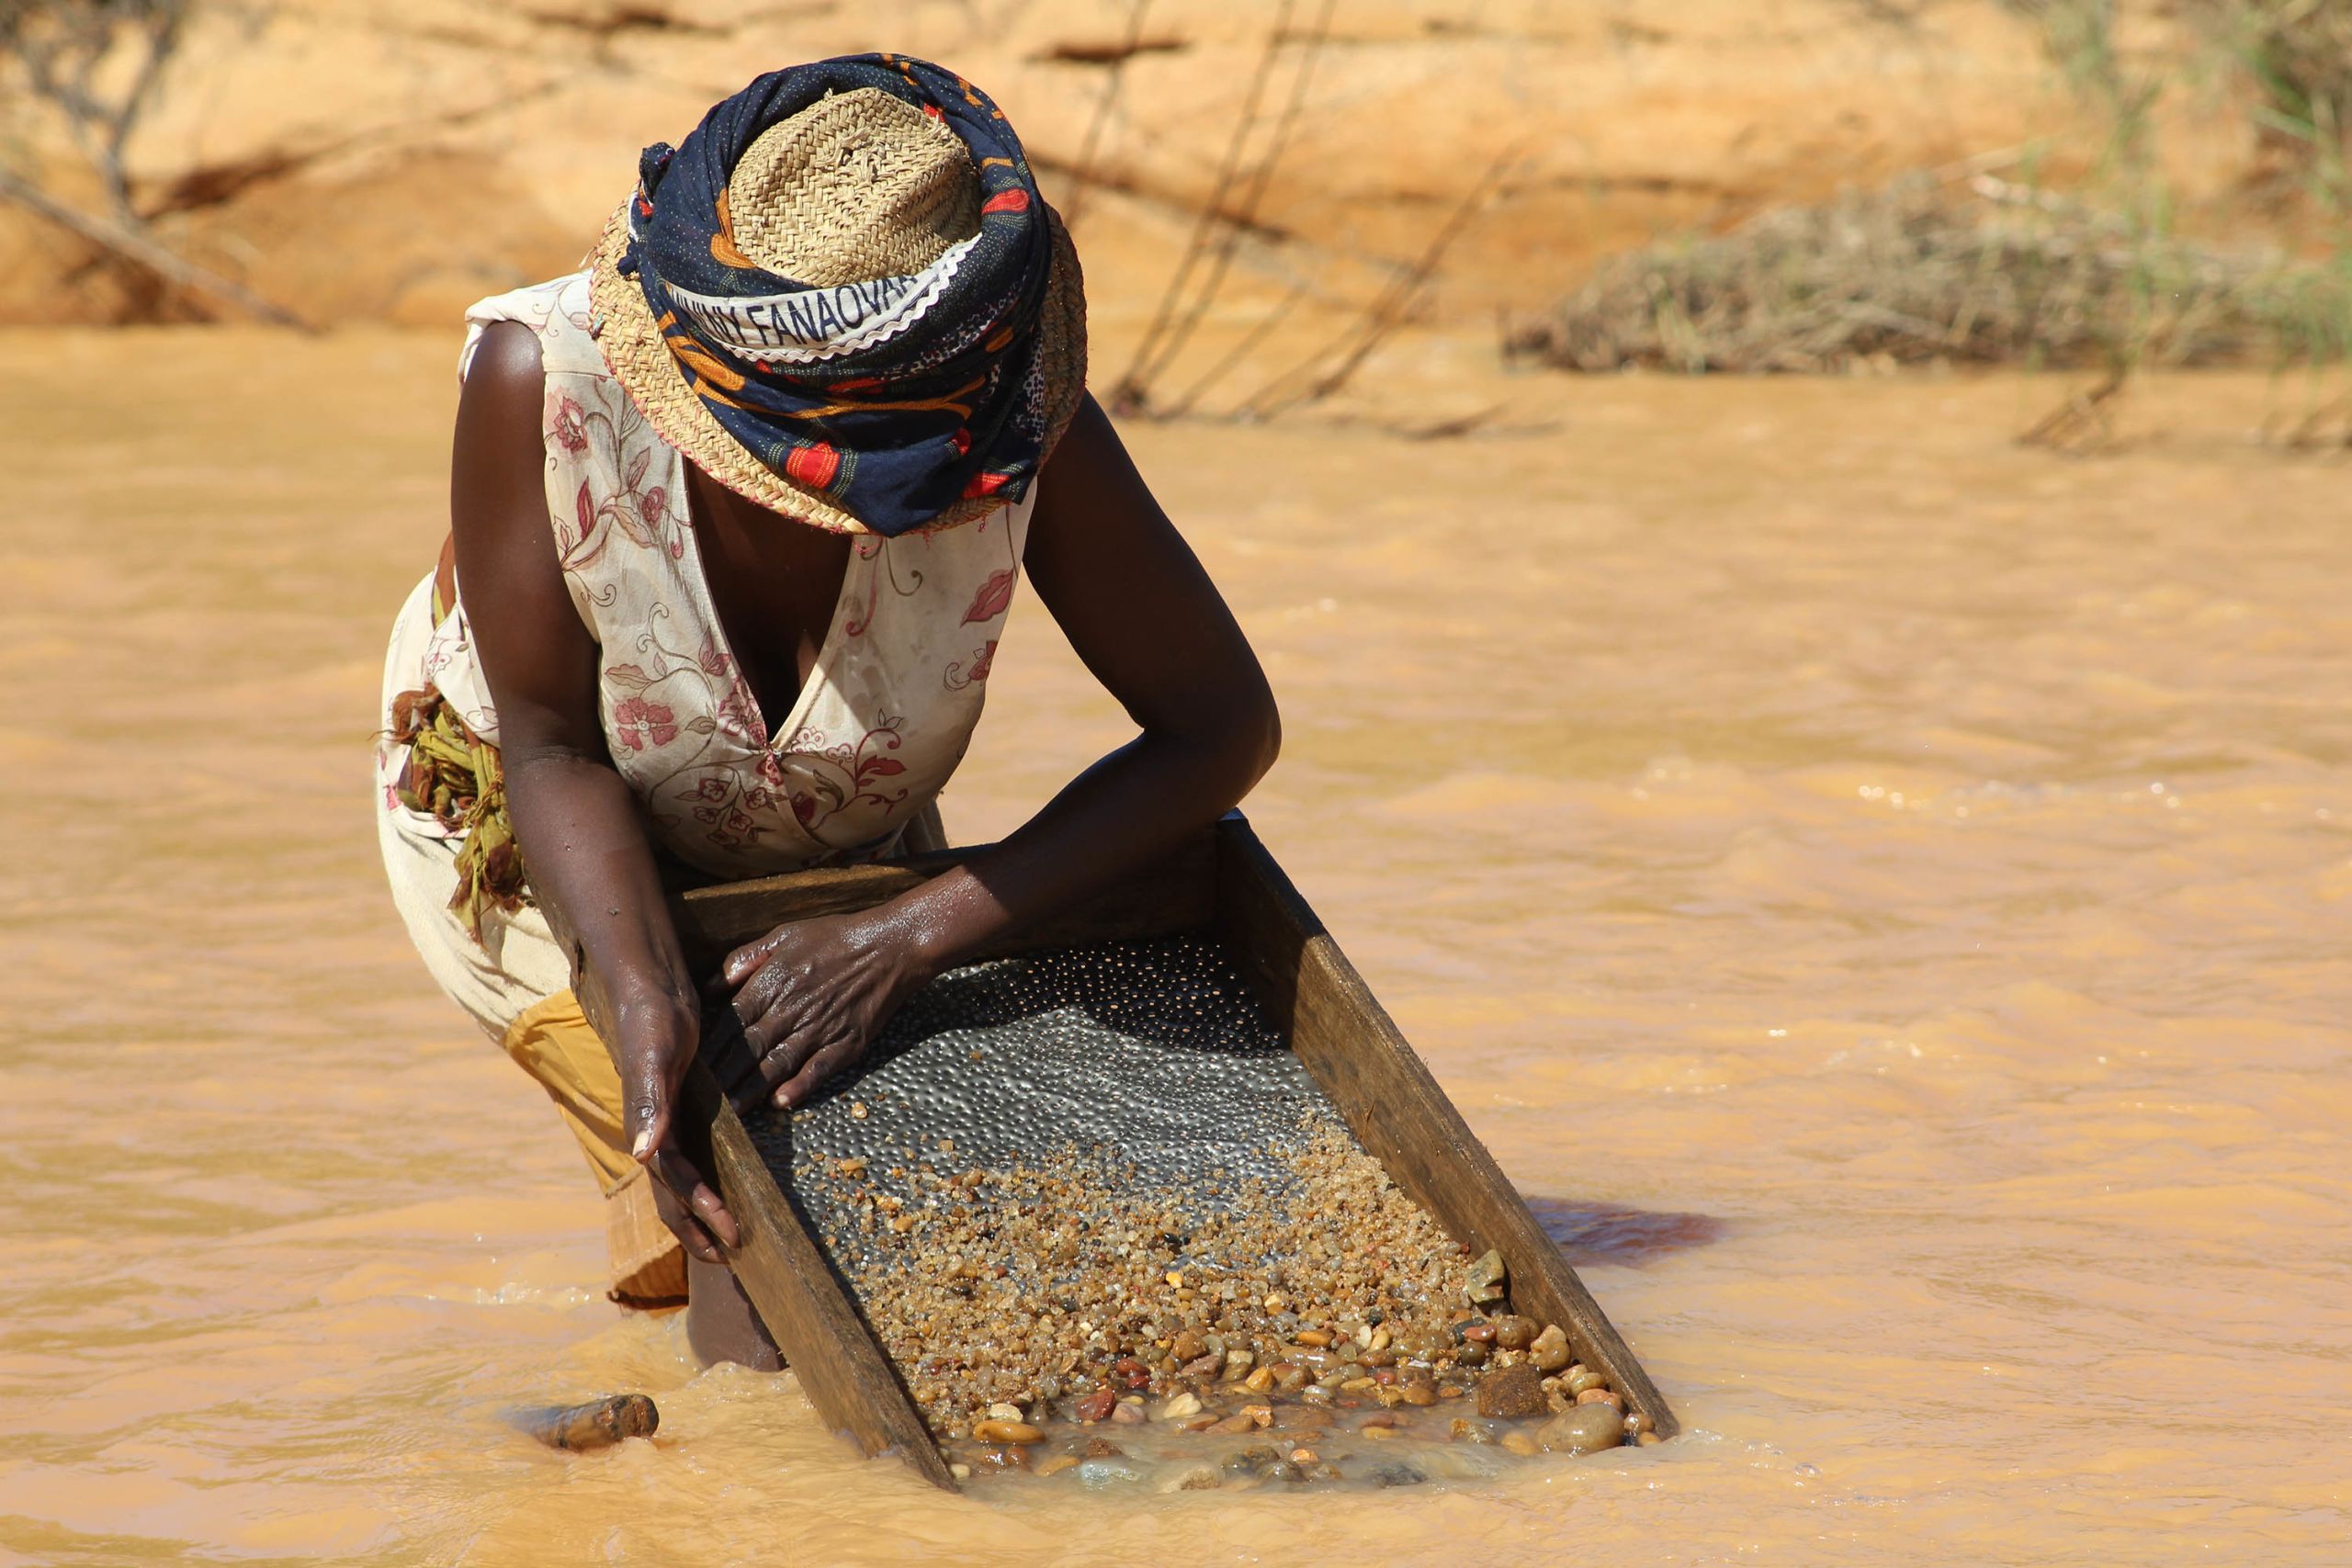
[
  {"x": 886, "y": 715},
  {"x": 877, "y": 729}
]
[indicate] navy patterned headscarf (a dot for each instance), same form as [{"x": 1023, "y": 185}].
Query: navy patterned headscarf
[{"x": 896, "y": 397}]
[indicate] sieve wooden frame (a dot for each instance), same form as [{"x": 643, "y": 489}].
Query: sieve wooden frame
[{"x": 1221, "y": 881}]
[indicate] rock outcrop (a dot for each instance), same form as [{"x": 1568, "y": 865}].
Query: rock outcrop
[{"x": 369, "y": 163}]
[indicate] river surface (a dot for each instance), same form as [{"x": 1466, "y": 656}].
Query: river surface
[{"x": 1883, "y": 890}]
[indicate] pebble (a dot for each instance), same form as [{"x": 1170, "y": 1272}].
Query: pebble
[
  {"x": 1582, "y": 1378},
  {"x": 1096, "y": 1406},
  {"x": 1510, "y": 1392},
  {"x": 1397, "y": 1475},
  {"x": 960, "y": 1471},
  {"x": 1484, "y": 1281},
  {"x": 1125, "y": 1415},
  {"x": 1516, "y": 1332},
  {"x": 1194, "y": 1476},
  {"x": 1549, "y": 1351},
  {"x": 1054, "y": 1464},
  {"x": 1189, "y": 1346},
  {"x": 1007, "y": 1432},
  {"x": 1520, "y": 1442},
  {"x": 1584, "y": 1431},
  {"x": 1603, "y": 1396},
  {"x": 1003, "y": 1412},
  {"x": 1184, "y": 1405},
  {"x": 1109, "y": 1472},
  {"x": 1650, "y": 1439}
]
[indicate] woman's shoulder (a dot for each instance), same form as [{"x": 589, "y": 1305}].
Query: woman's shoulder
[{"x": 557, "y": 313}]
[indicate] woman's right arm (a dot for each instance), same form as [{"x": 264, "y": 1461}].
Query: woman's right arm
[{"x": 584, "y": 845}]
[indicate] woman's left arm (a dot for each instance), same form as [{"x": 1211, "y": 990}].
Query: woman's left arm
[{"x": 1147, "y": 620}]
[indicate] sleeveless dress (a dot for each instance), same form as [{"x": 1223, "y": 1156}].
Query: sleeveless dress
[{"x": 880, "y": 724}]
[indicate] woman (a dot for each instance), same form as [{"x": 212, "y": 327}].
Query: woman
[{"x": 736, "y": 516}]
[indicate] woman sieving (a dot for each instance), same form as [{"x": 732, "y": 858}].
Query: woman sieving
[{"x": 736, "y": 513}]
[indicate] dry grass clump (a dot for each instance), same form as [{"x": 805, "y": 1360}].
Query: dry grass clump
[
  {"x": 1922, "y": 272},
  {"x": 2299, "y": 54}
]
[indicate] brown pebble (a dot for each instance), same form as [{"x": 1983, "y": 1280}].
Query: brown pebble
[
  {"x": 1549, "y": 1351},
  {"x": 1231, "y": 1425},
  {"x": 1189, "y": 1346},
  {"x": 1123, "y": 1415},
  {"x": 1587, "y": 1429},
  {"x": 1649, "y": 1439},
  {"x": 1381, "y": 1434},
  {"x": 1103, "y": 1448},
  {"x": 1259, "y": 1380},
  {"x": 1314, "y": 1337},
  {"x": 1259, "y": 1414},
  {"x": 1204, "y": 1366},
  {"x": 1479, "y": 1334},
  {"x": 1510, "y": 1392},
  {"x": 1054, "y": 1466},
  {"x": 1516, "y": 1332},
  {"x": 1603, "y": 1396},
  {"x": 1097, "y": 1406},
  {"x": 1520, "y": 1442},
  {"x": 1642, "y": 1423},
  {"x": 1007, "y": 1432},
  {"x": 1582, "y": 1378}
]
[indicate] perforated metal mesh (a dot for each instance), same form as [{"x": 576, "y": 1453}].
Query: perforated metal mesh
[{"x": 1155, "y": 1049}]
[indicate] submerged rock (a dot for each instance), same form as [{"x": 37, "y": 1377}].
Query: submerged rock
[
  {"x": 1511, "y": 1392},
  {"x": 1587, "y": 1429}
]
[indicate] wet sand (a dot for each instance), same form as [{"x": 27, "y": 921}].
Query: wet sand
[{"x": 1881, "y": 889}]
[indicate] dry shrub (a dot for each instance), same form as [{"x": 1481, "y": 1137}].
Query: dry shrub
[
  {"x": 1919, "y": 271},
  {"x": 2299, "y": 53}
]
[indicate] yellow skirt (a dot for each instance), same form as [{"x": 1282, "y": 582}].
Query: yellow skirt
[{"x": 516, "y": 984}]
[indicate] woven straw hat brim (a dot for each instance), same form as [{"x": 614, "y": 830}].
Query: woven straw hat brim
[{"x": 632, "y": 346}]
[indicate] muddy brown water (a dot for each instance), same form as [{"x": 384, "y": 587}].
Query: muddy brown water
[{"x": 1881, "y": 891}]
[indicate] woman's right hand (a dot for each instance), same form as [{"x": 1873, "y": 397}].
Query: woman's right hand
[{"x": 657, "y": 1035}]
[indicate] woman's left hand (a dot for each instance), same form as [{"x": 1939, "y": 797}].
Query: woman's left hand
[{"x": 812, "y": 995}]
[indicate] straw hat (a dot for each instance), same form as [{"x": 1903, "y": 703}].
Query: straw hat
[{"x": 859, "y": 186}]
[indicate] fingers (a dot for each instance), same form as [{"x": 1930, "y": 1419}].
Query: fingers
[
  {"x": 746, "y": 959},
  {"x": 815, "y": 1071},
  {"x": 645, "y": 1106},
  {"x": 678, "y": 1173},
  {"x": 760, "y": 1081},
  {"x": 683, "y": 1224}
]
